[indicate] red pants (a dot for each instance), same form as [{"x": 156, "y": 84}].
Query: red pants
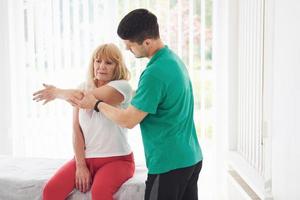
[{"x": 108, "y": 174}]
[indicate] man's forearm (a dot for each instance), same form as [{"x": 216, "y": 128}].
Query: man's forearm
[
  {"x": 119, "y": 116},
  {"x": 128, "y": 117}
]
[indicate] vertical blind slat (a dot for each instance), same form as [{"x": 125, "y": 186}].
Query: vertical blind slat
[{"x": 250, "y": 83}]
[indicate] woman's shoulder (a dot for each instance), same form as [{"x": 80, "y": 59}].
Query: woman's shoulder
[{"x": 123, "y": 87}]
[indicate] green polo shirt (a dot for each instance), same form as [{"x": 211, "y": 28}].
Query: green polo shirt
[{"x": 168, "y": 131}]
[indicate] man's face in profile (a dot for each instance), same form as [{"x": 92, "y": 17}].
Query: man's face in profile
[{"x": 138, "y": 50}]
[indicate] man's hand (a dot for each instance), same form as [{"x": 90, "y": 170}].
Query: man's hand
[
  {"x": 87, "y": 102},
  {"x": 46, "y": 95}
]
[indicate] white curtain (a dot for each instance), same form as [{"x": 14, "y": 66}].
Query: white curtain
[{"x": 52, "y": 41}]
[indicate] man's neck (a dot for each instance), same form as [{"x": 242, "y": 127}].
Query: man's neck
[{"x": 156, "y": 45}]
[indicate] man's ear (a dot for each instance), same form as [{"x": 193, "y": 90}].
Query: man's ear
[{"x": 147, "y": 42}]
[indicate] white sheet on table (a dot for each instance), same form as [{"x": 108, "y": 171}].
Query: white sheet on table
[{"x": 23, "y": 179}]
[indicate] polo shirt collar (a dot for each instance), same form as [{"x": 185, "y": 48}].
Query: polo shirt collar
[{"x": 158, "y": 54}]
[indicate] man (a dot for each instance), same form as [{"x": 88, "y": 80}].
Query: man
[{"x": 163, "y": 106}]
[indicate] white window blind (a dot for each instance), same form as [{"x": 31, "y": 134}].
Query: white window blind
[
  {"x": 54, "y": 42},
  {"x": 250, "y": 83},
  {"x": 58, "y": 38}
]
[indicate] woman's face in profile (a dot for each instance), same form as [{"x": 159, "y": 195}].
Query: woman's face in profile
[{"x": 104, "y": 69}]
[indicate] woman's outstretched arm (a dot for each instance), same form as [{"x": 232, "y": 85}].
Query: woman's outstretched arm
[
  {"x": 105, "y": 93},
  {"x": 50, "y": 92}
]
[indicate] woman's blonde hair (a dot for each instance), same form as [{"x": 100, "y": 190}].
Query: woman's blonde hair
[{"x": 109, "y": 52}]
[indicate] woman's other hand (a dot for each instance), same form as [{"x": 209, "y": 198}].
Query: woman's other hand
[{"x": 83, "y": 178}]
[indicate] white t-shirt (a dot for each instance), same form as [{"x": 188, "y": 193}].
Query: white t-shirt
[{"x": 104, "y": 138}]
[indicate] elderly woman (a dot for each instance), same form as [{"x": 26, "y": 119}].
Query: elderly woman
[{"x": 103, "y": 159}]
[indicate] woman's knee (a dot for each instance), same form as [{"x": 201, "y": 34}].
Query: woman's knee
[
  {"x": 54, "y": 191},
  {"x": 49, "y": 191},
  {"x": 102, "y": 192}
]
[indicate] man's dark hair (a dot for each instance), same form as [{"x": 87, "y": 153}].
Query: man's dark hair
[{"x": 138, "y": 25}]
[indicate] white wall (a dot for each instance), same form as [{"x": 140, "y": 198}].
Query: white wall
[
  {"x": 5, "y": 115},
  {"x": 286, "y": 99},
  {"x": 222, "y": 59},
  {"x": 283, "y": 84}
]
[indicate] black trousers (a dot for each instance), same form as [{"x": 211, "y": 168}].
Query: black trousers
[{"x": 178, "y": 184}]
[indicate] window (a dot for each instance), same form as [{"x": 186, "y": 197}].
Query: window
[
  {"x": 249, "y": 154},
  {"x": 54, "y": 41}
]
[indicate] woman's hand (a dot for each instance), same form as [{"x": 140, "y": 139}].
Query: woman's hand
[
  {"x": 83, "y": 178},
  {"x": 48, "y": 94}
]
